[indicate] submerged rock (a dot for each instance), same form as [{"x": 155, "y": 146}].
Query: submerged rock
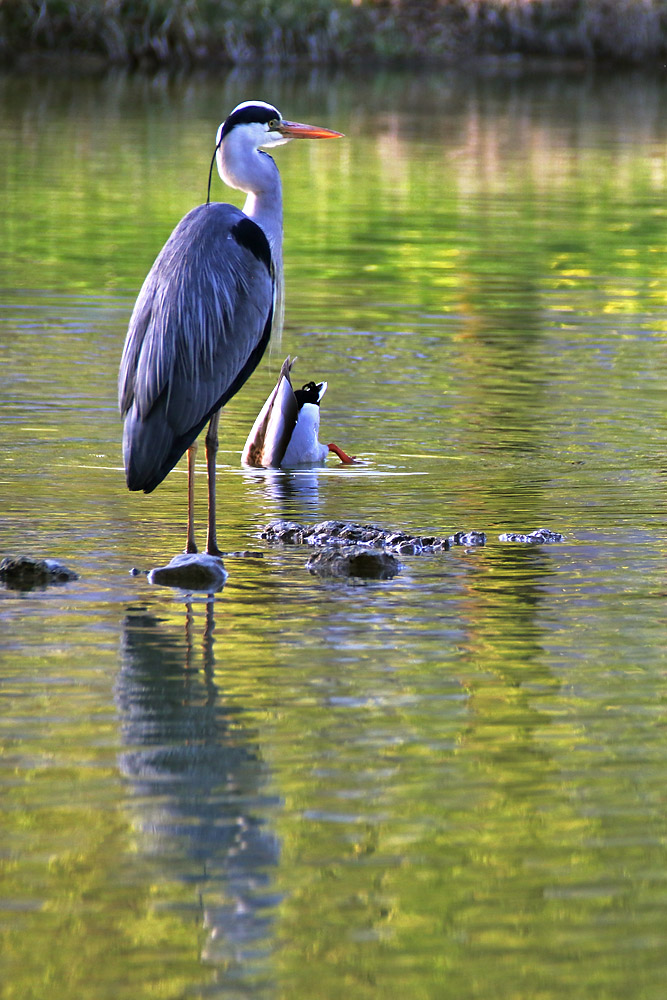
[
  {"x": 348, "y": 533},
  {"x": 540, "y": 536},
  {"x": 353, "y": 561},
  {"x": 344, "y": 542},
  {"x": 244, "y": 554},
  {"x": 468, "y": 538},
  {"x": 28, "y": 573},
  {"x": 361, "y": 550},
  {"x": 191, "y": 571},
  {"x": 287, "y": 532}
]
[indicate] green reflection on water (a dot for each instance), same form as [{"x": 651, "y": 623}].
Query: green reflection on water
[{"x": 448, "y": 784}]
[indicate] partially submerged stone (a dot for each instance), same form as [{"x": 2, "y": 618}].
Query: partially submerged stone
[
  {"x": 191, "y": 571},
  {"x": 27, "y": 573},
  {"x": 244, "y": 554},
  {"x": 349, "y": 533},
  {"x": 343, "y": 543},
  {"x": 541, "y": 536},
  {"x": 345, "y": 533},
  {"x": 353, "y": 561},
  {"x": 469, "y": 539},
  {"x": 287, "y": 532}
]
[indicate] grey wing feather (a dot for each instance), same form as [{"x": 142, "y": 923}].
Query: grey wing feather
[{"x": 198, "y": 329}]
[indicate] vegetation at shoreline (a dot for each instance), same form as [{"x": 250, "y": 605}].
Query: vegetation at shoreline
[{"x": 192, "y": 33}]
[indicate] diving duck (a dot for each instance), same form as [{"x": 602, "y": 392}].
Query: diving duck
[{"x": 286, "y": 430}]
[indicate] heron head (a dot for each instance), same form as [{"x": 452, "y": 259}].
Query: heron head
[
  {"x": 251, "y": 126},
  {"x": 263, "y": 124}
]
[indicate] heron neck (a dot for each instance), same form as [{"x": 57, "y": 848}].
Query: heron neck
[
  {"x": 264, "y": 205},
  {"x": 266, "y": 209},
  {"x": 256, "y": 173}
]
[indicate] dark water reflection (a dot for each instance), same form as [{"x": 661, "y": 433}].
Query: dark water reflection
[
  {"x": 198, "y": 782},
  {"x": 447, "y": 783}
]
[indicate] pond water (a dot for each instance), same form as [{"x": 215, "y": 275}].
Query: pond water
[{"x": 447, "y": 784}]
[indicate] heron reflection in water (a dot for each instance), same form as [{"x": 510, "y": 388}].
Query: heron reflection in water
[
  {"x": 200, "y": 791},
  {"x": 206, "y": 310}
]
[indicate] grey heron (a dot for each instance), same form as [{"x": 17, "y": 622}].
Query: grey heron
[
  {"x": 286, "y": 430},
  {"x": 204, "y": 314}
]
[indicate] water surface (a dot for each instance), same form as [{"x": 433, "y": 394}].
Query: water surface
[{"x": 450, "y": 783}]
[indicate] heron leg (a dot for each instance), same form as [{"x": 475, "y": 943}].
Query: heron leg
[
  {"x": 191, "y": 546},
  {"x": 211, "y": 452}
]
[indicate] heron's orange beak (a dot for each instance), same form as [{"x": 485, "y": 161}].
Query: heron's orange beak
[{"x": 295, "y": 130}]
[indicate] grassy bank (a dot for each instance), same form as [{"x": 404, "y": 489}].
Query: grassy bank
[{"x": 178, "y": 33}]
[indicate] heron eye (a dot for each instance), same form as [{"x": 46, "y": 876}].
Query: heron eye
[{"x": 273, "y": 124}]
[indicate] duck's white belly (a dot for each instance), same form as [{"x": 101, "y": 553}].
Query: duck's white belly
[{"x": 304, "y": 448}]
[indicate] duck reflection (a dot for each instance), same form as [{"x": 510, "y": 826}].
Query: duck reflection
[
  {"x": 198, "y": 780},
  {"x": 291, "y": 493}
]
